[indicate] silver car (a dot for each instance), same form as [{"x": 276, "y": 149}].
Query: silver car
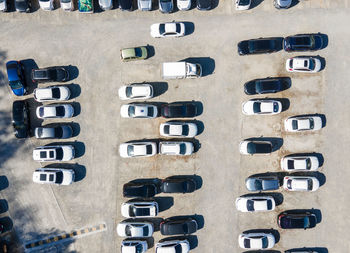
[
  {"x": 59, "y": 132},
  {"x": 282, "y": 4},
  {"x": 166, "y": 6},
  {"x": 105, "y": 4},
  {"x": 3, "y": 5},
  {"x": 144, "y": 5}
]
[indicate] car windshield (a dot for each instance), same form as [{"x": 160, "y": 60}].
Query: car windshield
[
  {"x": 182, "y": 149},
  {"x": 41, "y": 111},
  {"x": 295, "y": 124},
  {"x": 15, "y": 84},
  {"x": 145, "y": 230},
  {"x": 275, "y": 107},
  {"x": 128, "y": 92},
  {"x": 269, "y": 204},
  {"x": 59, "y": 153},
  {"x": 247, "y": 243},
  {"x": 291, "y": 164},
  {"x": 178, "y": 248},
  {"x": 128, "y": 230},
  {"x": 256, "y": 107},
  {"x": 308, "y": 163},
  {"x": 258, "y": 184},
  {"x": 264, "y": 242},
  {"x": 250, "y": 205},
  {"x": 311, "y": 64},
  {"x": 131, "y": 111},
  {"x": 56, "y": 93},
  {"x": 162, "y": 28},
  {"x": 138, "y": 52},
  {"x": 166, "y": 129},
  {"x": 150, "y": 111},
  {"x": 139, "y": 248},
  {"x": 60, "y": 111},
  {"x": 65, "y": 1},
  {"x": 178, "y": 28},
  {"x": 244, "y": 2},
  {"x": 130, "y": 150},
  {"x": 59, "y": 177},
  {"x": 185, "y": 130},
  {"x": 309, "y": 184},
  {"x": 58, "y": 132},
  {"x": 311, "y": 123},
  {"x": 149, "y": 149}
]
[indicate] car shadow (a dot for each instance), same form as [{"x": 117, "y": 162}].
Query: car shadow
[
  {"x": 29, "y": 64},
  {"x": 164, "y": 203},
  {"x": 274, "y": 232},
  {"x": 7, "y": 223},
  {"x": 192, "y": 239},
  {"x": 255, "y": 3},
  {"x": 207, "y": 63},
  {"x": 76, "y": 128},
  {"x": 159, "y": 88},
  {"x": 78, "y": 146},
  {"x": 320, "y": 176},
  {"x": 73, "y": 72},
  {"x": 324, "y": 40},
  {"x": 318, "y": 155},
  {"x": 75, "y": 90},
  {"x": 77, "y": 108},
  {"x": 285, "y": 103},
  {"x": 34, "y": 121},
  {"x": 150, "y": 51},
  {"x": 275, "y": 141},
  {"x": 214, "y": 4},
  {"x": 189, "y": 27},
  {"x": 4, "y": 183},
  {"x": 35, "y": 6},
  {"x": 79, "y": 170},
  {"x": 316, "y": 212},
  {"x": 97, "y": 8},
  {"x": 309, "y": 249},
  {"x": 278, "y": 197},
  {"x": 323, "y": 62},
  {"x": 4, "y": 207}
]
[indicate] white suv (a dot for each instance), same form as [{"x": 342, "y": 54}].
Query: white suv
[
  {"x": 53, "y": 176},
  {"x": 176, "y": 148},
  {"x": 53, "y": 93},
  {"x": 54, "y": 153}
]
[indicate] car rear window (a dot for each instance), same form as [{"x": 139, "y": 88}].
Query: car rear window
[
  {"x": 56, "y": 93},
  {"x": 60, "y": 111}
]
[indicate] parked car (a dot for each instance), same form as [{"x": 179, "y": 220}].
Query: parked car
[
  {"x": 259, "y": 46},
  {"x": 135, "y": 229},
  {"x": 136, "y": 91},
  {"x": 203, "y": 5},
  {"x": 140, "y": 189},
  {"x": 134, "y": 53},
  {"x": 86, "y": 6},
  {"x": 262, "y": 183},
  {"x": 255, "y": 147},
  {"x": 265, "y": 85},
  {"x": 303, "y": 42},
  {"x": 20, "y": 119},
  {"x": 55, "y": 111},
  {"x": 23, "y": 5},
  {"x": 282, "y": 4},
  {"x": 166, "y": 6},
  {"x": 178, "y": 226},
  {"x": 256, "y": 240},
  {"x": 3, "y": 5},
  {"x": 242, "y": 5},
  {"x": 15, "y": 75},
  {"x": 184, "y": 5},
  {"x": 138, "y": 111},
  {"x": 178, "y": 129},
  {"x": 47, "y": 5},
  {"x": 176, "y": 148},
  {"x": 308, "y": 64},
  {"x": 300, "y": 163},
  {"x": 58, "y": 132},
  {"x": 255, "y": 204},
  {"x": 54, "y": 176},
  {"x": 303, "y": 123},
  {"x": 137, "y": 209},
  {"x": 300, "y": 183},
  {"x": 261, "y": 107},
  {"x": 125, "y": 5},
  {"x": 171, "y": 29},
  {"x": 67, "y": 5},
  {"x": 178, "y": 184},
  {"x": 105, "y": 4},
  {"x": 53, "y": 93},
  {"x": 181, "y": 246},
  {"x": 137, "y": 246},
  {"x": 179, "y": 110},
  {"x": 51, "y": 74},
  {"x": 291, "y": 220},
  {"x": 54, "y": 153},
  {"x": 137, "y": 149},
  {"x": 144, "y": 5}
]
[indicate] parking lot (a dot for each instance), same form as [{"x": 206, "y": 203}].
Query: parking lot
[{"x": 91, "y": 44}]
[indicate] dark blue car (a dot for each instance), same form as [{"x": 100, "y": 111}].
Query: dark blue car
[{"x": 16, "y": 77}]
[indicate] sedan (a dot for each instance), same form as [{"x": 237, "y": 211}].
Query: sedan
[
  {"x": 178, "y": 184},
  {"x": 255, "y": 147},
  {"x": 256, "y": 240},
  {"x": 261, "y": 107},
  {"x": 133, "y": 53},
  {"x": 303, "y": 64},
  {"x": 67, "y": 5},
  {"x": 138, "y": 111},
  {"x": 166, "y": 6},
  {"x": 51, "y": 74},
  {"x": 105, "y": 4},
  {"x": 144, "y": 5},
  {"x": 178, "y": 226},
  {"x": 300, "y": 163},
  {"x": 179, "y": 110},
  {"x": 53, "y": 93},
  {"x": 176, "y": 148},
  {"x": 282, "y": 4},
  {"x": 265, "y": 85},
  {"x": 255, "y": 204},
  {"x": 303, "y": 123},
  {"x": 23, "y": 5},
  {"x": 137, "y": 246},
  {"x": 259, "y": 46},
  {"x": 3, "y": 5},
  {"x": 242, "y": 5},
  {"x": 288, "y": 220},
  {"x": 47, "y": 5},
  {"x": 53, "y": 176},
  {"x": 181, "y": 246},
  {"x": 135, "y": 209},
  {"x": 184, "y": 5},
  {"x": 171, "y": 29},
  {"x": 262, "y": 183},
  {"x": 300, "y": 183},
  {"x": 139, "y": 189},
  {"x": 55, "y": 111},
  {"x": 20, "y": 119},
  {"x": 203, "y": 5},
  {"x": 303, "y": 42},
  {"x": 137, "y": 149},
  {"x": 54, "y": 153},
  {"x": 178, "y": 129},
  {"x": 135, "y": 91},
  {"x": 16, "y": 78},
  {"x": 59, "y": 132},
  {"x": 135, "y": 229}
]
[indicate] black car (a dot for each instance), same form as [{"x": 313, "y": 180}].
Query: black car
[
  {"x": 20, "y": 119},
  {"x": 259, "y": 46},
  {"x": 178, "y": 226},
  {"x": 178, "y": 184},
  {"x": 303, "y": 42},
  {"x": 23, "y": 5},
  {"x": 262, "y": 183},
  {"x": 179, "y": 110},
  {"x": 51, "y": 74},
  {"x": 204, "y": 5},
  {"x": 266, "y": 85},
  {"x": 288, "y": 220},
  {"x": 142, "y": 189},
  {"x": 125, "y": 5}
]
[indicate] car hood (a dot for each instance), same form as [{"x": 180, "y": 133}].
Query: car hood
[
  {"x": 166, "y": 6},
  {"x": 105, "y": 4},
  {"x": 19, "y": 91},
  {"x": 184, "y": 4},
  {"x": 145, "y": 4},
  {"x": 21, "y": 6},
  {"x": 68, "y": 177}
]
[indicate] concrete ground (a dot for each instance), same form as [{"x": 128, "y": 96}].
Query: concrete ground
[{"x": 91, "y": 44}]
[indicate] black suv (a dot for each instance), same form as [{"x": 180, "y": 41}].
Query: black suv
[
  {"x": 179, "y": 110},
  {"x": 140, "y": 189},
  {"x": 178, "y": 184},
  {"x": 20, "y": 119},
  {"x": 178, "y": 226},
  {"x": 303, "y": 42},
  {"x": 266, "y": 85},
  {"x": 289, "y": 220},
  {"x": 51, "y": 74},
  {"x": 259, "y": 46}
]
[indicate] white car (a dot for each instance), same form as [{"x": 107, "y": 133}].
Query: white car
[
  {"x": 256, "y": 241},
  {"x": 134, "y": 246},
  {"x": 138, "y": 111},
  {"x": 46, "y": 5},
  {"x": 255, "y": 204},
  {"x": 172, "y": 29},
  {"x": 261, "y": 107},
  {"x": 53, "y": 93},
  {"x": 282, "y": 4},
  {"x": 183, "y": 5},
  {"x": 300, "y": 183},
  {"x": 303, "y": 64},
  {"x": 144, "y": 5},
  {"x": 303, "y": 123},
  {"x": 135, "y": 229},
  {"x": 54, "y": 153},
  {"x": 67, "y": 5},
  {"x": 53, "y": 176},
  {"x": 176, "y": 148},
  {"x": 55, "y": 111},
  {"x": 135, "y": 91},
  {"x": 182, "y": 246},
  {"x": 105, "y": 4},
  {"x": 178, "y": 129},
  {"x": 137, "y": 149},
  {"x": 3, "y": 5},
  {"x": 242, "y": 5},
  {"x": 137, "y": 209},
  {"x": 300, "y": 163}
]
